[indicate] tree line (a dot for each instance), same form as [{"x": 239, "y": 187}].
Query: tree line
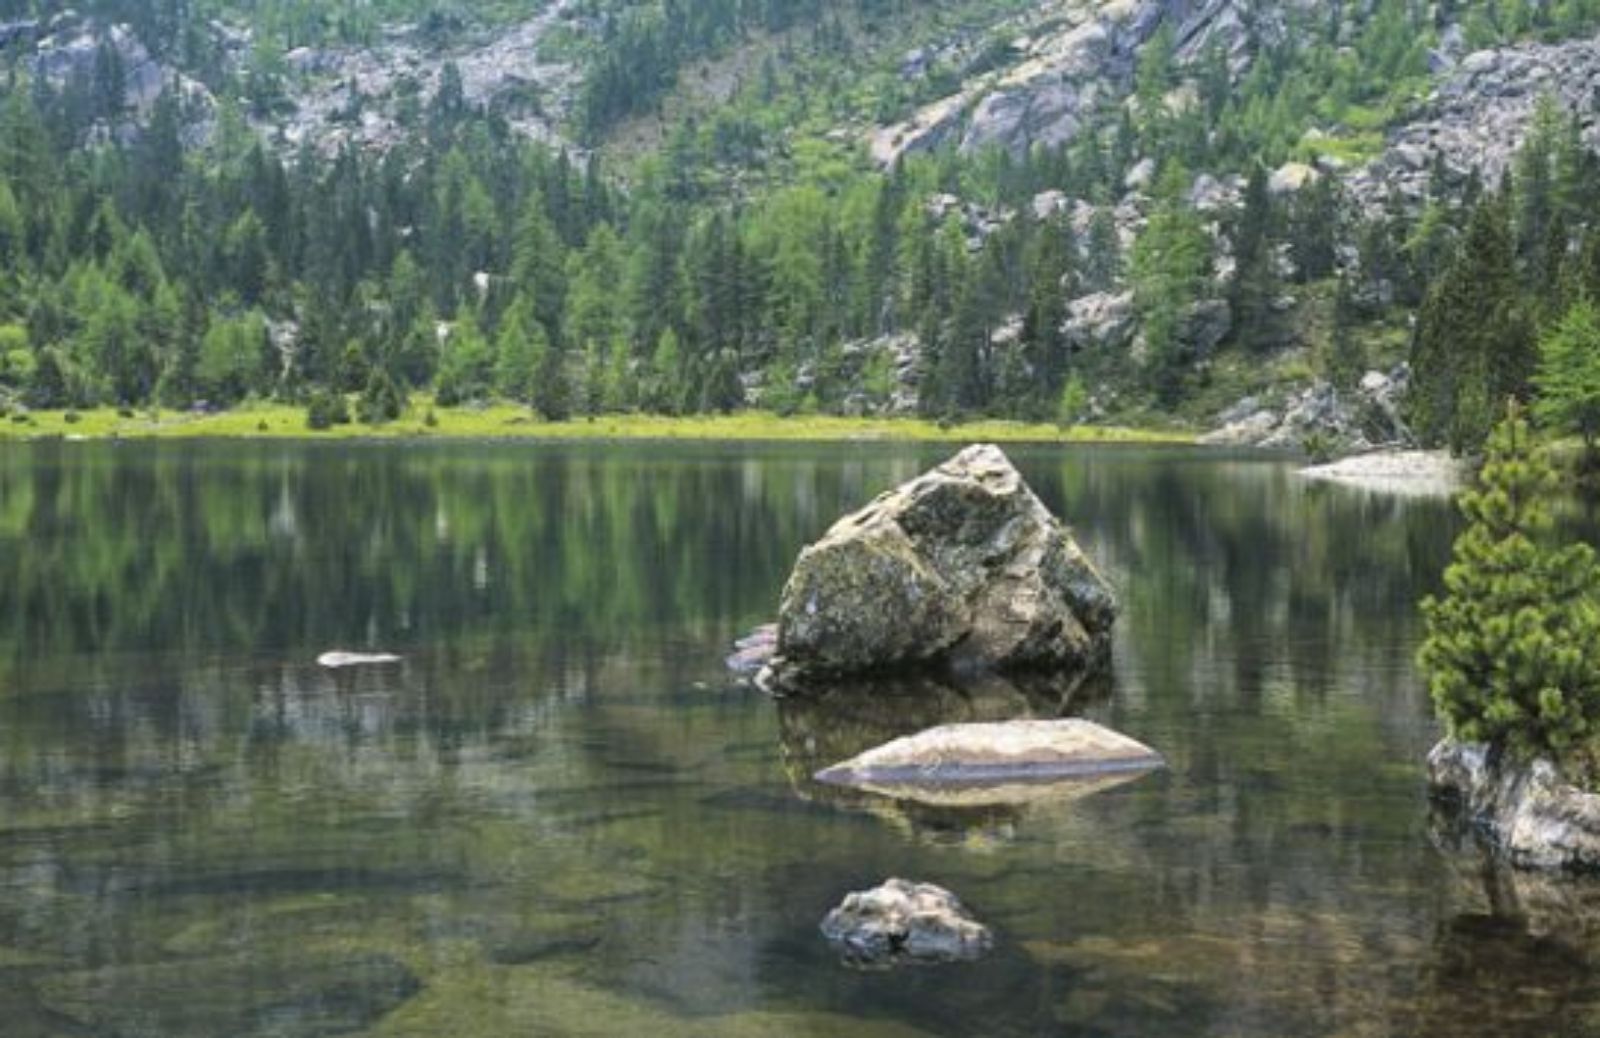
[{"x": 474, "y": 265}]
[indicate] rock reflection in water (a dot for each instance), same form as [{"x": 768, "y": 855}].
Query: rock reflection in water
[
  {"x": 1522, "y": 956},
  {"x": 846, "y": 719}
]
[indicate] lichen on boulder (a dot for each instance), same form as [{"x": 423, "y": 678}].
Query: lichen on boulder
[{"x": 963, "y": 567}]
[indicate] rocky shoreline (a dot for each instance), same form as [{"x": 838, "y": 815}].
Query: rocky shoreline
[
  {"x": 1406, "y": 473},
  {"x": 1527, "y": 809}
]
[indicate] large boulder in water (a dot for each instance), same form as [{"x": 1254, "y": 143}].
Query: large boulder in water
[{"x": 962, "y": 566}]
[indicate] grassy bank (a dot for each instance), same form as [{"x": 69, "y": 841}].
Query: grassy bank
[{"x": 511, "y": 423}]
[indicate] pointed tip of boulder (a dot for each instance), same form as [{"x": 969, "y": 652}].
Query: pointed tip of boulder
[{"x": 837, "y": 775}]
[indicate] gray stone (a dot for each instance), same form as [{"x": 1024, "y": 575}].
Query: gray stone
[
  {"x": 962, "y": 567},
  {"x": 754, "y": 651},
  {"x": 1292, "y": 177},
  {"x": 1207, "y": 323},
  {"x": 1366, "y": 418},
  {"x": 1527, "y": 809},
  {"x": 905, "y": 922},
  {"x": 1100, "y": 320},
  {"x": 1140, "y": 176},
  {"x": 1478, "y": 115}
]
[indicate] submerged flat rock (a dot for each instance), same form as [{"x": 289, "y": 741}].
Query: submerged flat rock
[
  {"x": 342, "y": 660},
  {"x": 1004, "y": 762}
]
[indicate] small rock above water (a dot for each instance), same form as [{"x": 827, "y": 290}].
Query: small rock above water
[
  {"x": 905, "y": 922},
  {"x": 960, "y": 567},
  {"x": 344, "y": 660},
  {"x": 754, "y": 651},
  {"x": 1005, "y": 762},
  {"x": 1528, "y": 810}
]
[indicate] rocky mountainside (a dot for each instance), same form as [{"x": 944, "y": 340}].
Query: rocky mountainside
[
  {"x": 326, "y": 96},
  {"x": 1074, "y": 62},
  {"x": 1478, "y": 115},
  {"x": 1071, "y": 60}
]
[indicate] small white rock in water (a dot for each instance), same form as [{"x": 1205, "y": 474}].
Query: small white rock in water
[
  {"x": 906, "y": 922},
  {"x": 970, "y": 765},
  {"x": 341, "y": 660},
  {"x": 1406, "y": 473},
  {"x": 754, "y": 651}
]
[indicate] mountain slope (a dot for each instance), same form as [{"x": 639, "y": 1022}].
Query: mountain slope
[{"x": 1143, "y": 209}]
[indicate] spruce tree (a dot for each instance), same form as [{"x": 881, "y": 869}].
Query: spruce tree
[
  {"x": 1512, "y": 654},
  {"x": 1474, "y": 344},
  {"x": 1253, "y": 290},
  {"x": 1569, "y": 377},
  {"x": 1168, "y": 268}
]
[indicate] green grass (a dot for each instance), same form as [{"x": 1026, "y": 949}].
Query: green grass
[{"x": 277, "y": 421}]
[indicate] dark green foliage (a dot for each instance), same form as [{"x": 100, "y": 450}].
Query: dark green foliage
[
  {"x": 1347, "y": 360},
  {"x": 1569, "y": 376},
  {"x": 382, "y": 400},
  {"x": 1255, "y": 285},
  {"x": 747, "y": 245},
  {"x": 1512, "y": 655},
  {"x": 326, "y": 410},
  {"x": 1170, "y": 262},
  {"x": 1474, "y": 344},
  {"x": 552, "y": 386}
]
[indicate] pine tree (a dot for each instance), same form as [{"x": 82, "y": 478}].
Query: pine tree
[
  {"x": 1167, "y": 270},
  {"x": 1512, "y": 654},
  {"x": 465, "y": 364},
  {"x": 1254, "y": 287},
  {"x": 1568, "y": 378},
  {"x": 520, "y": 347},
  {"x": 1347, "y": 360},
  {"x": 383, "y": 399},
  {"x": 552, "y": 391},
  {"x": 664, "y": 389},
  {"x": 1049, "y": 287},
  {"x": 1315, "y": 223},
  {"x": 1103, "y": 251},
  {"x": 1474, "y": 344}
]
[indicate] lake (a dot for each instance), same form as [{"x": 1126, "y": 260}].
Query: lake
[{"x": 560, "y": 816}]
